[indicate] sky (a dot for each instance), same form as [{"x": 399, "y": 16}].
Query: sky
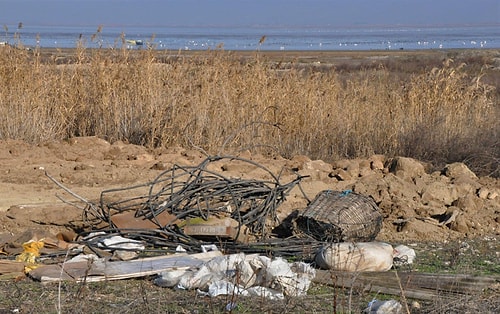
[{"x": 226, "y": 13}]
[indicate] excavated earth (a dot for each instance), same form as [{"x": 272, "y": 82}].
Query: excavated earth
[{"x": 417, "y": 204}]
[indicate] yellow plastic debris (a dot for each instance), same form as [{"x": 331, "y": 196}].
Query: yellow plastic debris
[{"x": 30, "y": 253}]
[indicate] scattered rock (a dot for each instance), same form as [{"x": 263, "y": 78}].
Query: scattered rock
[
  {"x": 319, "y": 165},
  {"x": 439, "y": 192},
  {"x": 365, "y": 168},
  {"x": 297, "y": 162},
  {"x": 468, "y": 203},
  {"x": 460, "y": 225},
  {"x": 457, "y": 170},
  {"x": 377, "y": 162},
  {"x": 342, "y": 175},
  {"x": 492, "y": 195},
  {"x": 406, "y": 167},
  {"x": 160, "y": 165},
  {"x": 483, "y": 193}
]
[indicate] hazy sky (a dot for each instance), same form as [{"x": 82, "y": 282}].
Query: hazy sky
[{"x": 246, "y": 12}]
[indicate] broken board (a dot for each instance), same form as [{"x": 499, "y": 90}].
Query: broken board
[
  {"x": 11, "y": 269},
  {"x": 109, "y": 270},
  {"x": 424, "y": 286}
]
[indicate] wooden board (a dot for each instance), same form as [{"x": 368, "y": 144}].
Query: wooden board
[
  {"x": 107, "y": 270},
  {"x": 8, "y": 266},
  {"x": 422, "y": 286}
]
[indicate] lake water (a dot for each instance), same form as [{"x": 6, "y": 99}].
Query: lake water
[{"x": 314, "y": 38}]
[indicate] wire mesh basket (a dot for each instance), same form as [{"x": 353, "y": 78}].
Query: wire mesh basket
[{"x": 337, "y": 216}]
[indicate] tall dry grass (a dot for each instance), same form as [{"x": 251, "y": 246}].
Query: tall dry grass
[{"x": 219, "y": 102}]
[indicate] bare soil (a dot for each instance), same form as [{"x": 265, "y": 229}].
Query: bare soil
[{"x": 87, "y": 166}]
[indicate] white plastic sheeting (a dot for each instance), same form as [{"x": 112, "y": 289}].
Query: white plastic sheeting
[
  {"x": 384, "y": 307},
  {"x": 243, "y": 275}
]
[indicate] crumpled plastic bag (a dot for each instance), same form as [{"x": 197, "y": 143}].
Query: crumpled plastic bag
[
  {"x": 292, "y": 279},
  {"x": 243, "y": 275},
  {"x": 404, "y": 255},
  {"x": 123, "y": 248},
  {"x": 219, "y": 268},
  {"x": 383, "y": 307},
  {"x": 227, "y": 288}
]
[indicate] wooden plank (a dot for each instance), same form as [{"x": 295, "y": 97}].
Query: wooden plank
[
  {"x": 109, "y": 270},
  {"x": 8, "y": 266},
  {"x": 49, "y": 273},
  {"x": 12, "y": 276},
  {"x": 11, "y": 269},
  {"x": 423, "y": 286},
  {"x": 142, "y": 267}
]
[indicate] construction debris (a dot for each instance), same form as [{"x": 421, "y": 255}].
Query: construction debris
[
  {"x": 189, "y": 209},
  {"x": 93, "y": 268},
  {"x": 384, "y": 307},
  {"x": 189, "y": 206},
  {"x": 423, "y": 286},
  {"x": 244, "y": 275},
  {"x": 403, "y": 255}
]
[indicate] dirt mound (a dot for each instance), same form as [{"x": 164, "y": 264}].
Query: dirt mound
[{"x": 416, "y": 204}]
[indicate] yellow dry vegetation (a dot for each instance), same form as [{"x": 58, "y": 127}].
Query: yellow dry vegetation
[{"x": 222, "y": 102}]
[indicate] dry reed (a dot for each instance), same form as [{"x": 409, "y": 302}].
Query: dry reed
[{"x": 220, "y": 102}]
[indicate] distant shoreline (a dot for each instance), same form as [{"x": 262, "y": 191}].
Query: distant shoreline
[
  {"x": 331, "y": 57},
  {"x": 326, "y": 38}
]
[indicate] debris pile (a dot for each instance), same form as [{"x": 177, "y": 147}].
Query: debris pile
[
  {"x": 173, "y": 222},
  {"x": 189, "y": 206},
  {"x": 192, "y": 212}
]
